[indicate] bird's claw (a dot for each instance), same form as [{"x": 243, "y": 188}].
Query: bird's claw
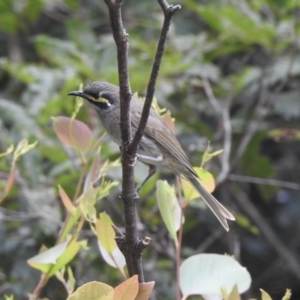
[
  {"x": 136, "y": 195},
  {"x": 132, "y": 162}
]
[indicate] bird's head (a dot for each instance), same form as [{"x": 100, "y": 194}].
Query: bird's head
[{"x": 102, "y": 95}]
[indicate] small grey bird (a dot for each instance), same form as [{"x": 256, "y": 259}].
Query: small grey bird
[{"x": 158, "y": 147}]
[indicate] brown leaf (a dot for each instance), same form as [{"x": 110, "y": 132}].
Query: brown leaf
[
  {"x": 145, "y": 290},
  {"x": 127, "y": 290}
]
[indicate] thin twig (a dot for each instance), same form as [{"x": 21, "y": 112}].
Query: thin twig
[
  {"x": 265, "y": 181},
  {"x": 7, "y": 215},
  {"x": 169, "y": 11},
  {"x": 227, "y": 141},
  {"x": 180, "y": 235}
]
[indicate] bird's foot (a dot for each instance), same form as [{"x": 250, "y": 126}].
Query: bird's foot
[
  {"x": 132, "y": 161},
  {"x": 136, "y": 195}
]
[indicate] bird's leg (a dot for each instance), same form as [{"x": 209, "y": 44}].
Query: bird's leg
[
  {"x": 149, "y": 160},
  {"x": 152, "y": 171}
]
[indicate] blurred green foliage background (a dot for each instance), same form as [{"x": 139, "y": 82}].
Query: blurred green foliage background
[{"x": 242, "y": 54}]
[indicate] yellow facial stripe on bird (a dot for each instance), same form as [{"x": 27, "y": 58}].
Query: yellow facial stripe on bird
[{"x": 101, "y": 100}]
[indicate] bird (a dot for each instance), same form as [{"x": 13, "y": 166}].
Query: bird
[{"x": 158, "y": 147}]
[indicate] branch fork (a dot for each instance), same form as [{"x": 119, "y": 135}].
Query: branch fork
[{"x": 130, "y": 245}]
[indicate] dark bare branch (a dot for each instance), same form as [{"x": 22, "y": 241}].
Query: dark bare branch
[
  {"x": 130, "y": 245},
  {"x": 127, "y": 244},
  {"x": 169, "y": 11}
]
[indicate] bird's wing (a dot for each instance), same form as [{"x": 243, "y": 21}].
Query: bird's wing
[{"x": 160, "y": 132}]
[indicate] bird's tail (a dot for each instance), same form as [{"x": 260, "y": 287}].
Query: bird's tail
[{"x": 217, "y": 208}]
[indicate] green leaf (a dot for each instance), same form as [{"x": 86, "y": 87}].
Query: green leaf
[
  {"x": 65, "y": 54},
  {"x": 104, "y": 189},
  {"x": 71, "y": 279},
  {"x": 287, "y": 295},
  {"x": 169, "y": 208},
  {"x": 9, "y": 19},
  {"x": 15, "y": 15},
  {"x": 235, "y": 30},
  {"x": 32, "y": 9},
  {"x": 72, "y": 221},
  {"x": 87, "y": 204},
  {"x": 234, "y": 294},
  {"x": 19, "y": 71},
  {"x": 66, "y": 200},
  {"x": 53, "y": 153},
  {"x": 207, "y": 155},
  {"x": 206, "y": 178},
  {"x": 106, "y": 242},
  {"x": 207, "y": 274},
  {"x": 45, "y": 260},
  {"x": 265, "y": 295},
  {"x": 72, "y": 3},
  {"x": 93, "y": 290},
  {"x": 66, "y": 257},
  {"x": 105, "y": 232},
  {"x": 22, "y": 148},
  {"x": 55, "y": 258},
  {"x": 9, "y": 150}
]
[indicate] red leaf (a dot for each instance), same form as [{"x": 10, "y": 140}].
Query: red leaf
[{"x": 73, "y": 133}]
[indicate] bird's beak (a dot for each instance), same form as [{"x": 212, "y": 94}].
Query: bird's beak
[
  {"x": 79, "y": 94},
  {"x": 87, "y": 97}
]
